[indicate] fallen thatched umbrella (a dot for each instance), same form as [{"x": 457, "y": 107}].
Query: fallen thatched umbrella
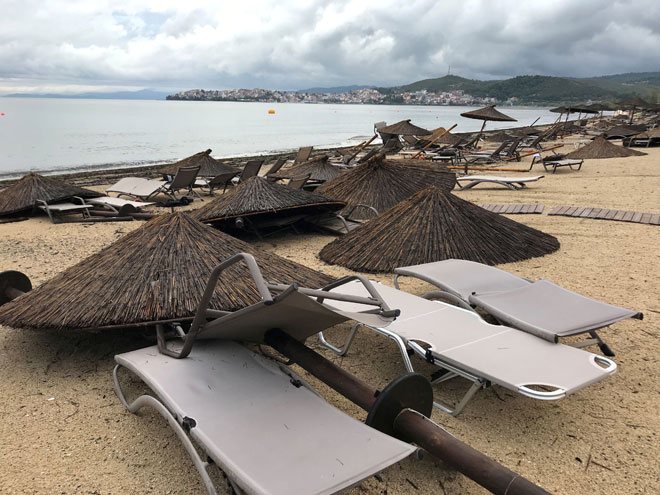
[
  {"x": 260, "y": 200},
  {"x": 404, "y": 128},
  {"x": 602, "y": 148},
  {"x": 382, "y": 183},
  {"x": 623, "y": 131},
  {"x": 445, "y": 137},
  {"x": 209, "y": 166},
  {"x": 156, "y": 273},
  {"x": 434, "y": 225},
  {"x": 22, "y": 196},
  {"x": 486, "y": 114},
  {"x": 319, "y": 169},
  {"x": 498, "y": 137}
]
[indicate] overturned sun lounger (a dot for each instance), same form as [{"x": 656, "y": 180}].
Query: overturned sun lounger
[
  {"x": 256, "y": 419},
  {"x": 462, "y": 344},
  {"x": 541, "y": 308},
  {"x": 137, "y": 187},
  {"x": 513, "y": 183}
]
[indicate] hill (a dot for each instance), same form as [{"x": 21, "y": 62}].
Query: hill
[{"x": 544, "y": 89}]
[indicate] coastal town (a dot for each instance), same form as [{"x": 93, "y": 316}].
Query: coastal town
[{"x": 357, "y": 96}]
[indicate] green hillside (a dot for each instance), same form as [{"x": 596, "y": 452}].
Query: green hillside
[{"x": 545, "y": 89}]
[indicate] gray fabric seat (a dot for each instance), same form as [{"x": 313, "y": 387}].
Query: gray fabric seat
[
  {"x": 269, "y": 434},
  {"x": 541, "y": 308},
  {"x": 461, "y": 342}
]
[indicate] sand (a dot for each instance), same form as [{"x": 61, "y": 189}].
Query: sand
[{"x": 64, "y": 431}]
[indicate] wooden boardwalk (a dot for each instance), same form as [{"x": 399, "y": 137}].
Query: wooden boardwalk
[
  {"x": 606, "y": 214},
  {"x": 515, "y": 208}
]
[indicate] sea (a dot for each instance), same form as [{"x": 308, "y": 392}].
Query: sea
[{"x": 67, "y": 135}]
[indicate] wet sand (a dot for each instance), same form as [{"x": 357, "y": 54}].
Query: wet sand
[{"x": 64, "y": 431}]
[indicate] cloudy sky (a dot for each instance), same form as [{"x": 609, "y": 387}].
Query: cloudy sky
[{"x": 84, "y": 45}]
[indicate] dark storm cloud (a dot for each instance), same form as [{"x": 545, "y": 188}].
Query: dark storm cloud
[{"x": 318, "y": 43}]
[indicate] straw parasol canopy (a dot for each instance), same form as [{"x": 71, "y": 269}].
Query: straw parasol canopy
[
  {"x": 602, "y": 148},
  {"x": 258, "y": 197},
  {"x": 621, "y": 131},
  {"x": 318, "y": 168},
  {"x": 382, "y": 183},
  {"x": 22, "y": 196},
  {"x": 433, "y": 225},
  {"x": 209, "y": 166},
  {"x": 486, "y": 114},
  {"x": 650, "y": 134},
  {"x": 634, "y": 102},
  {"x": 156, "y": 273},
  {"x": 404, "y": 128},
  {"x": 447, "y": 138}
]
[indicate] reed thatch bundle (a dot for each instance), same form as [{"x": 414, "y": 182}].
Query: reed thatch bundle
[
  {"x": 434, "y": 225},
  {"x": 318, "y": 168},
  {"x": 404, "y": 128},
  {"x": 602, "y": 148},
  {"x": 209, "y": 166},
  {"x": 650, "y": 134},
  {"x": 156, "y": 273},
  {"x": 382, "y": 183},
  {"x": 257, "y": 196},
  {"x": 23, "y": 194}
]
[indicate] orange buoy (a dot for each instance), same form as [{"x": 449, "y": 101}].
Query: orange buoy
[{"x": 271, "y": 111}]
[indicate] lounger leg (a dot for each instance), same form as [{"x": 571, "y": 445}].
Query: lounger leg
[
  {"x": 148, "y": 400},
  {"x": 604, "y": 348},
  {"x": 343, "y": 350}
]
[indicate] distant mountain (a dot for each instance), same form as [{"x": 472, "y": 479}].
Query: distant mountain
[
  {"x": 333, "y": 91},
  {"x": 544, "y": 89},
  {"x": 143, "y": 94}
]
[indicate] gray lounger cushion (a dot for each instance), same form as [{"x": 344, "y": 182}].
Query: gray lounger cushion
[
  {"x": 268, "y": 435},
  {"x": 550, "y": 311}
]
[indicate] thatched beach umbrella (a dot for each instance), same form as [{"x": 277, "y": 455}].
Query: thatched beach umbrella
[
  {"x": 209, "y": 166},
  {"x": 259, "y": 199},
  {"x": 486, "y": 114},
  {"x": 404, "y": 128},
  {"x": 156, "y": 273},
  {"x": 382, "y": 183},
  {"x": 434, "y": 225},
  {"x": 22, "y": 196},
  {"x": 624, "y": 131},
  {"x": 602, "y": 148},
  {"x": 319, "y": 169},
  {"x": 632, "y": 104}
]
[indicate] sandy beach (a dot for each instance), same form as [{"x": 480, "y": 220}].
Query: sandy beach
[{"x": 65, "y": 431}]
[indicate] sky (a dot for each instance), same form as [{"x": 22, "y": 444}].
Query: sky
[{"x": 69, "y": 46}]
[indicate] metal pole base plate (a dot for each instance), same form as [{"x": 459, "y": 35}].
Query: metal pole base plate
[
  {"x": 10, "y": 282},
  {"x": 410, "y": 391}
]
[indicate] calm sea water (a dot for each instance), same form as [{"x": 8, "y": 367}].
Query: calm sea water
[{"x": 58, "y": 135}]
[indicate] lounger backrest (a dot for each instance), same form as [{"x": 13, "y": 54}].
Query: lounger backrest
[
  {"x": 251, "y": 169},
  {"x": 303, "y": 154},
  {"x": 185, "y": 177},
  {"x": 222, "y": 179},
  {"x": 276, "y": 166},
  {"x": 500, "y": 149},
  {"x": 298, "y": 183}
]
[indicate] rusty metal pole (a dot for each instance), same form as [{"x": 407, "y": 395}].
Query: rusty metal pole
[{"x": 408, "y": 423}]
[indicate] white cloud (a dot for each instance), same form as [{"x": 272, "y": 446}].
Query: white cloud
[{"x": 293, "y": 44}]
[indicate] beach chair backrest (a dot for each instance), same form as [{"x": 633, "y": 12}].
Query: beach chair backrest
[
  {"x": 500, "y": 149},
  {"x": 222, "y": 179},
  {"x": 185, "y": 177},
  {"x": 298, "y": 183},
  {"x": 303, "y": 154},
  {"x": 276, "y": 166},
  {"x": 251, "y": 169}
]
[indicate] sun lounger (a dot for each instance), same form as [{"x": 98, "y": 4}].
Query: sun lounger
[
  {"x": 540, "y": 308},
  {"x": 548, "y": 162},
  {"x": 258, "y": 421},
  {"x": 513, "y": 183},
  {"x": 462, "y": 344},
  {"x": 221, "y": 180},
  {"x": 115, "y": 204},
  {"x": 136, "y": 187},
  {"x": 64, "y": 208}
]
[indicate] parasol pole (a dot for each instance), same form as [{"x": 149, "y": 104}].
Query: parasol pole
[
  {"x": 389, "y": 410},
  {"x": 416, "y": 155}
]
